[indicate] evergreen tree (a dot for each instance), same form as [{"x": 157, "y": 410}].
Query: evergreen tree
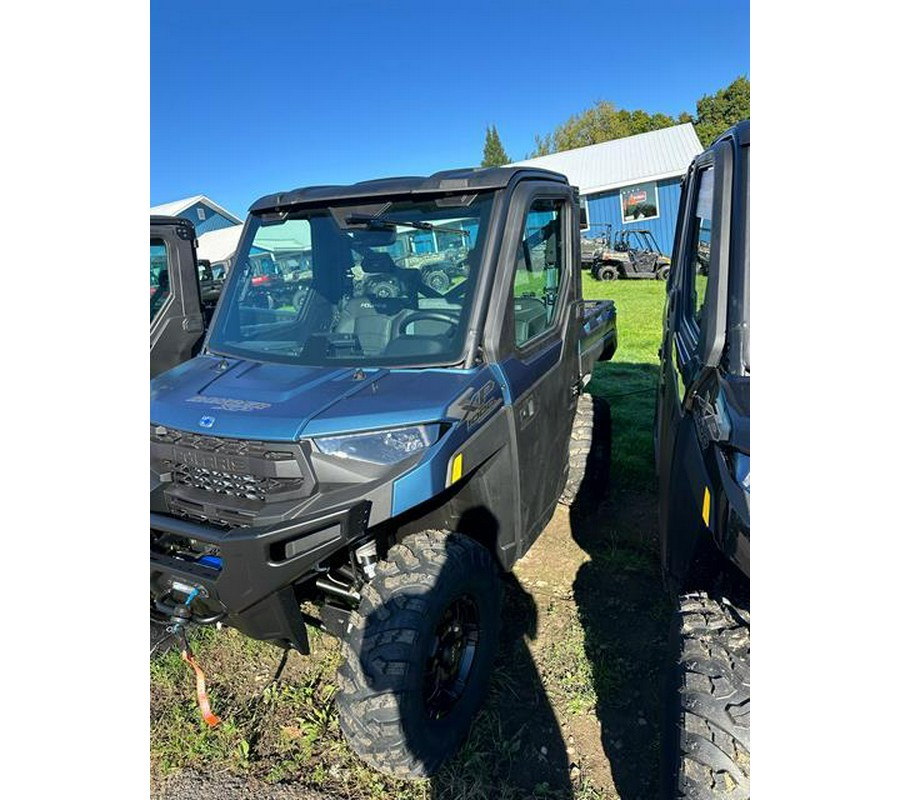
[{"x": 494, "y": 154}]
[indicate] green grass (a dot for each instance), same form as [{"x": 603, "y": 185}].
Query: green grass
[{"x": 629, "y": 380}]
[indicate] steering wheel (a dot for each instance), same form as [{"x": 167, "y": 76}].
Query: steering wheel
[{"x": 436, "y": 316}]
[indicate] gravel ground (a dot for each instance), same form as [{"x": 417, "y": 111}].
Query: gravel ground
[{"x": 222, "y": 786}]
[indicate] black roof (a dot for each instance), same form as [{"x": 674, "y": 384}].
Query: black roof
[
  {"x": 454, "y": 180},
  {"x": 740, "y": 132},
  {"x": 159, "y": 219}
]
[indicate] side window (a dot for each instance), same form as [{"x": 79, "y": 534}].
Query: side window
[
  {"x": 277, "y": 274},
  {"x": 539, "y": 263},
  {"x": 159, "y": 276},
  {"x": 699, "y": 243}
]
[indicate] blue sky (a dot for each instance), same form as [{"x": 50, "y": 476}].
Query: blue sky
[{"x": 251, "y": 98}]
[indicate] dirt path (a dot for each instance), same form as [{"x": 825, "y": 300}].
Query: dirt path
[{"x": 595, "y": 579}]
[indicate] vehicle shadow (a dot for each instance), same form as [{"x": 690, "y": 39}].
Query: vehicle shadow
[
  {"x": 623, "y": 607},
  {"x": 514, "y": 748}
]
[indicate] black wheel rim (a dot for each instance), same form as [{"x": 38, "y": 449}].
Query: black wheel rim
[{"x": 451, "y": 657}]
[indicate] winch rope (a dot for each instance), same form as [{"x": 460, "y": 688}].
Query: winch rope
[{"x": 202, "y": 697}]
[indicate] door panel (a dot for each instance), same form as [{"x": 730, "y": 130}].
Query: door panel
[
  {"x": 539, "y": 407},
  {"x": 176, "y": 316},
  {"x": 542, "y": 365},
  {"x": 682, "y": 471},
  {"x": 684, "y": 519}
]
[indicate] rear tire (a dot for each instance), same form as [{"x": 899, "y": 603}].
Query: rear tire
[
  {"x": 438, "y": 280},
  {"x": 382, "y": 289},
  {"x": 604, "y": 272},
  {"x": 706, "y": 750},
  {"x": 403, "y": 709},
  {"x": 662, "y": 273},
  {"x": 589, "y": 447}
]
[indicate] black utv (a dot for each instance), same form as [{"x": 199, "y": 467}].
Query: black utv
[
  {"x": 183, "y": 293},
  {"x": 176, "y": 306},
  {"x": 702, "y": 438}
]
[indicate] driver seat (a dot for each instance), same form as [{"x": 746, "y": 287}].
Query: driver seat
[{"x": 372, "y": 321}]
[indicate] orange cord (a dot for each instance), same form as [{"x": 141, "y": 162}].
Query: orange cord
[{"x": 202, "y": 698}]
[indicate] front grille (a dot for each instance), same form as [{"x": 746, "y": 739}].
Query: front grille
[
  {"x": 227, "y": 481},
  {"x": 247, "y": 486},
  {"x": 225, "y": 447}
]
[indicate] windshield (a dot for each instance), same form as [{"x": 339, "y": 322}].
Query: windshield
[{"x": 384, "y": 284}]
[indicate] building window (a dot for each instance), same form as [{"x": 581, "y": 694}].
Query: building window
[
  {"x": 201, "y": 213},
  {"x": 639, "y": 202}
]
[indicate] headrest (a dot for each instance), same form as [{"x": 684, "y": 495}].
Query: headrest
[{"x": 375, "y": 262}]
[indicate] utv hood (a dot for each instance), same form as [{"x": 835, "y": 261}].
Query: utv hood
[{"x": 277, "y": 402}]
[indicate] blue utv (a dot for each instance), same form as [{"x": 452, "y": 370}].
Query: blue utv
[{"x": 362, "y": 450}]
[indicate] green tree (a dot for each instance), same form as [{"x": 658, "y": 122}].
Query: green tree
[
  {"x": 603, "y": 121},
  {"x": 543, "y": 146},
  {"x": 716, "y": 113},
  {"x": 494, "y": 154},
  {"x": 600, "y": 123}
]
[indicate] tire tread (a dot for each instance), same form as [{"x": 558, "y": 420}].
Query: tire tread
[
  {"x": 380, "y": 646},
  {"x": 712, "y": 676},
  {"x": 588, "y": 454}
]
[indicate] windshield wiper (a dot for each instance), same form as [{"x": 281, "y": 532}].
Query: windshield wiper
[{"x": 372, "y": 221}]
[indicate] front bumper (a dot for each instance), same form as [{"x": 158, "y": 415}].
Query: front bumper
[{"x": 250, "y": 579}]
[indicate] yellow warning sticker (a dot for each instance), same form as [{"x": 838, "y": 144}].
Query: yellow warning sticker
[{"x": 706, "y": 506}]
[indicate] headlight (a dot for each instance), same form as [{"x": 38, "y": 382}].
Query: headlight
[
  {"x": 381, "y": 447},
  {"x": 742, "y": 470}
]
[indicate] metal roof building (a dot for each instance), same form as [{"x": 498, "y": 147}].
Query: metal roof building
[
  {"x": 220, "y": 244},
  {"x": 631, "y": 182},
  {"x": 199, "y": 209}
]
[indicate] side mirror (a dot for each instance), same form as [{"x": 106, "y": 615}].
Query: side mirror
[{"x": 582, "y": 217}]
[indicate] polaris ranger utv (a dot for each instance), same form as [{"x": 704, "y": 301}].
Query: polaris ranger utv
[
  {"x": 181, "y": 300},
  {"x": 702, "y": 439},
  {"x": 633, "y": 254},
  {"x": 370, "y": 464}
]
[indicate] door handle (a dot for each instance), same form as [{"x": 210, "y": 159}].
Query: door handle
[{"x": 528, "y": 409}]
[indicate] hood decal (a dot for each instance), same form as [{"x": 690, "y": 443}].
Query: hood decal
[{"x": 229, "y": 403}]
